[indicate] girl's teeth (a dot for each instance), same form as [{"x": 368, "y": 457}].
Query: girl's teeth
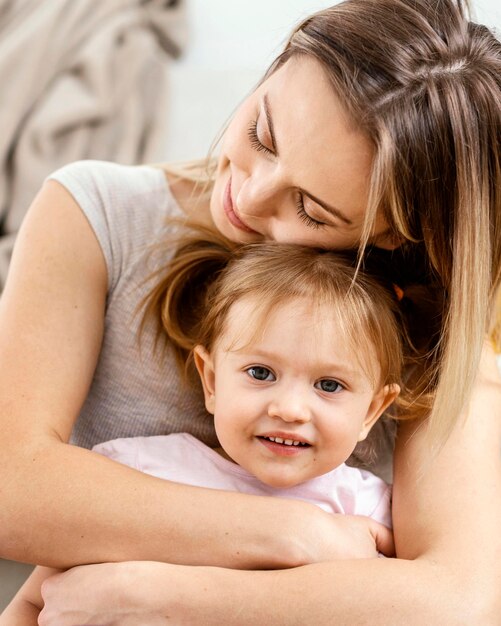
[{"x": 287, "y": 442}]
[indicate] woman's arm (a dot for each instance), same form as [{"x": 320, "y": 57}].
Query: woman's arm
[
  {"x": 447, "y": 515},
  {"x": 61, "y": 505}
]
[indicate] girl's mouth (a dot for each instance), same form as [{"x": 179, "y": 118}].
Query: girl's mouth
[
  {"x": 283, "y": 447},
  {"x": 286, "y": 442}
]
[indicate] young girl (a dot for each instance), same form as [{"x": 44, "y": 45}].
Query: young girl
[
  {"x": 298, "y": 357},
  {"x": 377, "y": 125}
]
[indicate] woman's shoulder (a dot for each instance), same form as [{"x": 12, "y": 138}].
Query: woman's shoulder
[
  {"x": 127, "y": 207},
  {"x": 115, "y": 184}
]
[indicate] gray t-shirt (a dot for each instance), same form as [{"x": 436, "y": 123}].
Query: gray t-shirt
[{"x": 134, "y": 392}]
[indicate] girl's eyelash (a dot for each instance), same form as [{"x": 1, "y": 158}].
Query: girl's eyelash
[
  {"x": 334, "y": 385},
  {"x": 263, "y": 370},
  {"x": 307, "y": 219},
  {"x": 254, "y": 139}
]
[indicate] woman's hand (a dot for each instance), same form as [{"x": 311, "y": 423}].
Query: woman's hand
[
  {"x": 334, "y": 537},
  {"x": 142, "y": 593}
]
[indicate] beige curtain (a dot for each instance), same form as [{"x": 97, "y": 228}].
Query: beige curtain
[{"x": 79, "y": 79}]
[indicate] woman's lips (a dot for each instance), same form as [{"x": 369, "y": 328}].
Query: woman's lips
[{"x": 230, "y": 211}]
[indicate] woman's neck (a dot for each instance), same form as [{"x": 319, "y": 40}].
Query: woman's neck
[{"x": 191, "y": 198}]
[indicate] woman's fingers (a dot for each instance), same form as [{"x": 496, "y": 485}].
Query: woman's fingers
[
  {"x": 111, "y": 594},
  {"x": 383, "y": 537}
]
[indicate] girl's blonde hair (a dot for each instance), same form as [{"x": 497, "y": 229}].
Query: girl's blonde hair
[
  {"x": 275, "y": 275},
  {"x": 424, "y": 84},
  {"x": 209, "y": 276}
]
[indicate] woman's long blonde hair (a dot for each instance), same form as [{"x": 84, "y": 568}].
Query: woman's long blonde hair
[{"x": 424, "y": 84}]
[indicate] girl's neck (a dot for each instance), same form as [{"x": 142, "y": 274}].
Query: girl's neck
[{"x": 222, "y": 453}]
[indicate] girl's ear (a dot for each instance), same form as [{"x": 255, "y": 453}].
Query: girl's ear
[
  {"x": 380, "y": 402},
  {"x": 205, "y": 368}
]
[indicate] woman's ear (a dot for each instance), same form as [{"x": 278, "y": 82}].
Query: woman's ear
[
  {"x": 205, "y": 368},
  {"x": 380, "y": 402},
  {"x": 388, "y": 241}
]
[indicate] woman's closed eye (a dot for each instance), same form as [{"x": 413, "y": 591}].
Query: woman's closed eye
[
  {"x": 261, "y": 373},
  {"x": 258, "y": 145},
  {"x": 329, "y": 385},
  {"x": 255, "y": 142},
  {"x": 304, "y": 216}
]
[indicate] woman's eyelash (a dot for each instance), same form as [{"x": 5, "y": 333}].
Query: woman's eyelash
[
  {"x": 307, "y": 219},
  {"x": 254, "y": 139},
  {"x": 301, "y": 211}
]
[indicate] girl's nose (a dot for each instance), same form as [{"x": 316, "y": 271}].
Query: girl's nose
[{"x": 291, "y": 406}]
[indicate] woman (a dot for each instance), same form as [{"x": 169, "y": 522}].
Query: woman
[{"x": 366, "y": 131}]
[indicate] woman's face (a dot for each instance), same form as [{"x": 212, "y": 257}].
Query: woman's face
[{"x": 293, "y": 166}]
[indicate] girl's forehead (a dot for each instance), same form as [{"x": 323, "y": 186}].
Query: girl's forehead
[
  {"x": 326, "y": 325},
  {"x": 254, "y": 316}
]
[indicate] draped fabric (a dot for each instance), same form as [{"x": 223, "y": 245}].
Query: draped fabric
[{"x": 79, "y": 79}]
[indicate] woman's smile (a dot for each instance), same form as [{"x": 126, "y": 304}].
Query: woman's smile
[{"x": 231, "y": 214}]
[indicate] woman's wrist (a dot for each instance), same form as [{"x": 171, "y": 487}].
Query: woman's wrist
[
  {"x": 189, "y": 595},
  {"x": 277, "y": 534},
  {"x": 305, "y": 534}
]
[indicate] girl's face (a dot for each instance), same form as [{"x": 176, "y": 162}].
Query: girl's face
[
  {"x": 293, "y": 167},
  {"x": 291, "y": 402}
]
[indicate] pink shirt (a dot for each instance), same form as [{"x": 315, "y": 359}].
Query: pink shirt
[{"x": 183, "y": 459}]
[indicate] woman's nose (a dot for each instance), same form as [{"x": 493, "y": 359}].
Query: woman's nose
[
  {"x": 290, "y": 406},
  {"x": 258, "y": 196}
]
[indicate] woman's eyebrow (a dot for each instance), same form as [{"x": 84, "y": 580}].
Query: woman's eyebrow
[{"x": 330, "y": 209}]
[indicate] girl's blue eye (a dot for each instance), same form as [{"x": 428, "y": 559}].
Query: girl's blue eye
[
  {"x": 329, "y": 386},
  {"x": 259, "y": 372}
]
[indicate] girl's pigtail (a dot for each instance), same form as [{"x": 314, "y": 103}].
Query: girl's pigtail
[{"x": 178, "y": 299}]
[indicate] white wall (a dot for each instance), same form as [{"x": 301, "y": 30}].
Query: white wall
[
  {"x": 231, "y": 42},
  {"x": 488, "y": 12}
]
